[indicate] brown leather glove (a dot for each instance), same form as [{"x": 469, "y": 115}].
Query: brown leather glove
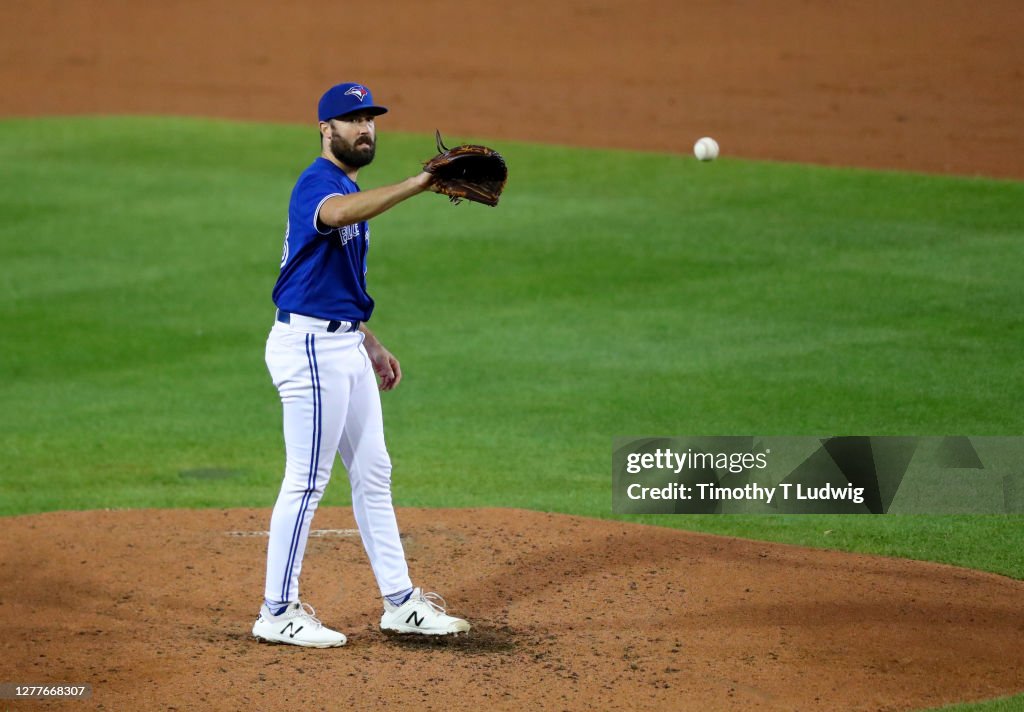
[{"x": 476, "y": 173}]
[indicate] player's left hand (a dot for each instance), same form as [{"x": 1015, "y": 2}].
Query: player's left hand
[{"x": 385, "y": 365}]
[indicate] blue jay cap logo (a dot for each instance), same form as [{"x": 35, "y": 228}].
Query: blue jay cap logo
[
  {"x": 358, "y": 92},
  {"x": 345, "y": 98}
]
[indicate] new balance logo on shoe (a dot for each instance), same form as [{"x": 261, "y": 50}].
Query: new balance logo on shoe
[
  {"x": 421, "y": 614},
  {"x": 299, "y": 627}
]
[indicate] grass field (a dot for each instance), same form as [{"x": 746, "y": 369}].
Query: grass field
[{"x": 610, "y": 294}]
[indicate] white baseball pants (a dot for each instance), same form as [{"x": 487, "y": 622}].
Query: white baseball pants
[{"x": 331, "y": 405}]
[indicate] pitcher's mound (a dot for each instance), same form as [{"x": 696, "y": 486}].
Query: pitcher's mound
[{"x": 154, "y": 610}]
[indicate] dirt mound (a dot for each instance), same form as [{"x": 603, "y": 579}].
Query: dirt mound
[{"x": 154, "y": 609}]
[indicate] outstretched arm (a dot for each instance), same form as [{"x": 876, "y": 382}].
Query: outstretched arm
[
  {"x": 385, "y": 365},
  {"x": 341, "y": 210}
]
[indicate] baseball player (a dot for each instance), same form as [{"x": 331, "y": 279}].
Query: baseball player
[{"x": 322, "y": 359}]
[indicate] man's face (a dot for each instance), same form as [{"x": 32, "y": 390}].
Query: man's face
[{"x": 354, "y": 139}]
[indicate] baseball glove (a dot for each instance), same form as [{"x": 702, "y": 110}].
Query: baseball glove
[{"x": 476, "y": 173}]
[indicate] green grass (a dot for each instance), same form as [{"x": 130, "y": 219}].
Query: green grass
[
  {"x": 610, "y": 294},
  {"x": 1003, "y": 704}
]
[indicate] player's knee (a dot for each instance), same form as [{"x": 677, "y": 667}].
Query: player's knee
[
  {"x": 301, "y": 482},
  {"x": 375, "y": 478}
]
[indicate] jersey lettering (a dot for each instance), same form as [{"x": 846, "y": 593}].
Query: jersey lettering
[{"x": 347, "y": 233}]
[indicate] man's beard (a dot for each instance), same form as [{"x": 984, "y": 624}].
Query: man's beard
[{"x": 353, "y": 156}]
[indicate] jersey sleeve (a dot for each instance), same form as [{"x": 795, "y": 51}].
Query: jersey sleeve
[{"x": 311, "y": 192}]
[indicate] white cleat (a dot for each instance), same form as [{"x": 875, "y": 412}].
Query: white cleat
[
  {"x": 297, "y": 625},
  {"x": 424, "y": 614}
]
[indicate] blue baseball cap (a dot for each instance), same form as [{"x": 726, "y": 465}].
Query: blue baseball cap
[{"x": 345, "y": 98}]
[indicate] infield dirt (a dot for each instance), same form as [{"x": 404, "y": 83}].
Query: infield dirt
[
  {"x": 930, "y": 85},
  {"x": 153, "y": 608}
]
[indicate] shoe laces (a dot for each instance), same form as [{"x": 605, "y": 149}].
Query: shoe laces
[
  {"x": 435, "y": 601},
  {"x": 308, "y": 612}
]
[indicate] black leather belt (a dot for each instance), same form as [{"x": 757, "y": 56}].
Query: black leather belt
[{"x": 333, "y": 325}]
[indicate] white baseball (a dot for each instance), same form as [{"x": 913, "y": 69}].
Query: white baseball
[{"x": 706, "y": 149}]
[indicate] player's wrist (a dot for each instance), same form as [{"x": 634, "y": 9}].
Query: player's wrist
[{"x": 422, "y": 181}]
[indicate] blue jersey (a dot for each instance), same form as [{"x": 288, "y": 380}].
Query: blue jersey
[{"x": 323, "y": 269}]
